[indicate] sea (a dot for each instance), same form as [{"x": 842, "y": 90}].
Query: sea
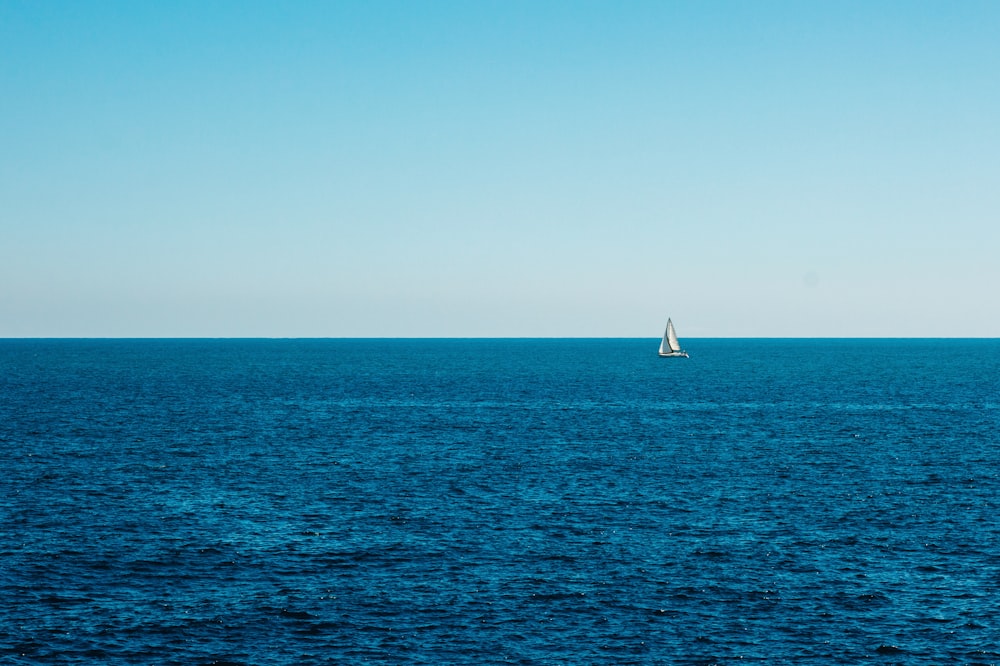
[{"x": 499, "y": 501}]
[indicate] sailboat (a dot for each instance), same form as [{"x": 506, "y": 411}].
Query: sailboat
[{"x": 671, "y": 347}]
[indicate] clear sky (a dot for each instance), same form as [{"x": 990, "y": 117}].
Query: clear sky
[{"x": 509, "y": 168}]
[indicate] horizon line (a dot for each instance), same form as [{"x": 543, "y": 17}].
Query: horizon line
[{"x": 483, "y": 337}]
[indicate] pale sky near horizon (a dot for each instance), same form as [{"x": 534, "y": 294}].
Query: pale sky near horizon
[{"x": 494, "y": 169}]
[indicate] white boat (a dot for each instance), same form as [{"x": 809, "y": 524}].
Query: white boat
[{"x": 670, "y": 347}]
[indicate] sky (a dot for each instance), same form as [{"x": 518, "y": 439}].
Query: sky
[{"x": 499, "y": 169}]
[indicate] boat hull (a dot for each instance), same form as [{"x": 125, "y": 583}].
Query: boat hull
[{"x": 676, "y": 354}]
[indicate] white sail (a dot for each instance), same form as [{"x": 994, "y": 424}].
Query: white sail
[
  {"x": 665, "y": 343},
  {"x": 675, "y": 345}
]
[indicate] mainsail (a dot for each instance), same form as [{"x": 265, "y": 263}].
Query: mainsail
[{"x": 670, "y": 342}]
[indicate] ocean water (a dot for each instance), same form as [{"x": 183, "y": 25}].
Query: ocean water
[{"x": 499, "y": 501}]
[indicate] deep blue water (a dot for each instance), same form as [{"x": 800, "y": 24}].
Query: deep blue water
[{"x": 499, "y": 501}]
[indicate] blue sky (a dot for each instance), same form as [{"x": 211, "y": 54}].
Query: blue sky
[{"x": 510, "y": 168}]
